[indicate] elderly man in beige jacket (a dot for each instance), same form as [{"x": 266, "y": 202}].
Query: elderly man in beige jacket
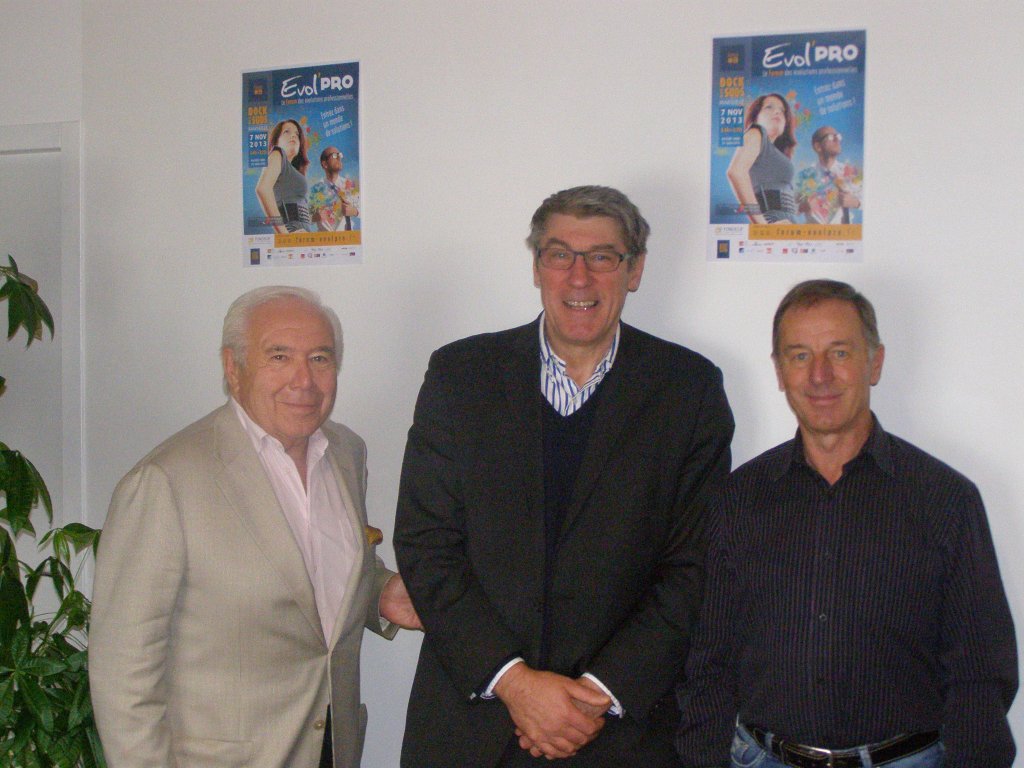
[{"x": 237, "y": 569}]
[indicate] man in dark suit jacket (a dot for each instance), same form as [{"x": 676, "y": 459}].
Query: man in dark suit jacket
[{"x": 551, "y": 515}]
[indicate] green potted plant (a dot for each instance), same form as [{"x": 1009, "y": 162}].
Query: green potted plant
[{"x": 45, "y": 712}]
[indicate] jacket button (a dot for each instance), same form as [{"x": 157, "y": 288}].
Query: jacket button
[{"x": 319, "y": 724}]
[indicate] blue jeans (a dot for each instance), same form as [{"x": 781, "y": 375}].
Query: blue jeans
[{"x": 747, "y": 753}]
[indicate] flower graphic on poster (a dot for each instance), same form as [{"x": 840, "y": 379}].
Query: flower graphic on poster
[
  {"x": 801, "y": 114},
  {"x": 821, "y": 190},
  {"x": 325, "y": 202}
]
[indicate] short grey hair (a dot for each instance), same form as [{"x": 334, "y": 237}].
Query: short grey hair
[
  {"x": 810, "y": 292},
  {"x": 235, "y": 334},
  {"x": 587, "y": 201}
]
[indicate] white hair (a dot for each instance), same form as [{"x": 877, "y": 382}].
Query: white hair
[{"x": 235, "y": 334}]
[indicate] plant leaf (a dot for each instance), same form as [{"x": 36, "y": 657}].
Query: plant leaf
[
  {"x": 23, "y": 486},
  {"x": 20, "y": 643},
  {"x": 42, "y": 667},
  {"x": 13, "y": 611},
  {"x": 7, "y": 699},
  {"x": 42, "y": 493},
  {"x": 21, "y": 314},
  {"x": 37, "y": 702},
  {"x": 81, "y": 706},
  {"x": 97, "y": 747},
  {"x": 64, "y": 749},
  {"x": 78, "y": 535},
  {"x": 32, "y": 579},
  {"x": 25, "y": 308},
  {"x": 9, "y": 563},
  {"x": 75, "y": 609},
  {"x": 24, "y": 729}
]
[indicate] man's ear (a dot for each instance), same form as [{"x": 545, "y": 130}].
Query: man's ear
[
  {"x": 636, "y": 271},
  {"x": 227, "y": 359},
  {"x": 876, "y": 364}
]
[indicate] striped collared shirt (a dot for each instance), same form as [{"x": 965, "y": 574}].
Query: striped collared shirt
[{"x": 558, "y": 387}]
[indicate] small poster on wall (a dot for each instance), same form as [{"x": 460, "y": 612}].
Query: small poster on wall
[
  {"x": 300, "y": 166},
  {"x": 787, "y": 148}
]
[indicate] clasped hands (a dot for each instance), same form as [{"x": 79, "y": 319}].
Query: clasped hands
[{"x": 555, "y": 716}]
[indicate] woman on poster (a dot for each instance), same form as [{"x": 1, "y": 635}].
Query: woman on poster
[
  {"x": 282, "y": 186},
  {"x": 761, "y": 171}
]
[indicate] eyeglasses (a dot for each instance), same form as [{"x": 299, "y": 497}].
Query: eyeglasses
[
  {"x": 335, "y": 155},
  {"x": 560, "y": 257},
  {"x": 836, "y": 136}
]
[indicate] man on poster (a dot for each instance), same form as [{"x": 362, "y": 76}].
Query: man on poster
[
  {"x": 329, "y": 200},
  {"x": 827, "y": 191},
  {"x": 551, "y": 515},
  {"x": 854, "y": 614}
]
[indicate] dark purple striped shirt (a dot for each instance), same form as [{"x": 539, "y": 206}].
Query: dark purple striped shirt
[{"x": 844, "y": 615}]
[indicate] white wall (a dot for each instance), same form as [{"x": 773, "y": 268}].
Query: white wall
[
  {"x": 473, "y": 112},
  {"x": 40, "y": 61}
]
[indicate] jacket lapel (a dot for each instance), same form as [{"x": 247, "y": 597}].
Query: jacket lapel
[
  {"x": 520, "y": 373},
  {"x": 247, "y": 488}
]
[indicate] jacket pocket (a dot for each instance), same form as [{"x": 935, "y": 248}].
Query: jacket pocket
[{"x": 212, "y": 753}]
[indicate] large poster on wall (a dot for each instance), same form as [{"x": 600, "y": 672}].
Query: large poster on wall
[
  {"x": 300, "y": 166},
  {"x": 787, "y": 148}
]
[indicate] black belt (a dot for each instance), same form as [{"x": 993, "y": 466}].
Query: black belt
[
  {"x": 294, "y": 212},
  {"x": 769, "y": 199},
  {"x": 802, "y": 756}
]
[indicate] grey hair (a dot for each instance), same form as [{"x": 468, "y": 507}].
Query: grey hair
[
  {"x": 234, "y": 335},
  {"x": 810, "y": 292},
  {"x": 587, "y": 201}
]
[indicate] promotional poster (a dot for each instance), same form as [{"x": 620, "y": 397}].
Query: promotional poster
[
  {"x": 300, "y": 166},
  {"x": 787, "y": 148}
]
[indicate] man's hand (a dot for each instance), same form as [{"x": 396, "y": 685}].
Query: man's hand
[
  {"x": 849, "y": 200},
  {"x": 396, "y": 605},
  {"x": 591, "y": 710},
  {"x": 543, "y": 707}
]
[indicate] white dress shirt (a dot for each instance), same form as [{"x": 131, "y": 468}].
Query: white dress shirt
[{"x": 315, "y": 513}]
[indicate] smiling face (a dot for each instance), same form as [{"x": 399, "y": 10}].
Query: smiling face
[
  {"x": 828, "y": 145},
  {"x": 581, "y": 307},
  {"x": 332, "y": 161},
  {"x": 826, "y": 369},
  {"x": 289, "y": 377}
]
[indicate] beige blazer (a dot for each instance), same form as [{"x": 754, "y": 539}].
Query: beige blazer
[{"x": 205, "y": 647}]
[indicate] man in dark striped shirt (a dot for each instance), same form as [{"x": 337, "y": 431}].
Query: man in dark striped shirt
[{"x": 854, "y": 613}]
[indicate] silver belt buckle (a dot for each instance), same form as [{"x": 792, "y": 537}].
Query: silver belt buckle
[{"x": 817, "y": 752}]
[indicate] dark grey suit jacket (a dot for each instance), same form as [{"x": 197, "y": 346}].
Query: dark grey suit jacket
[{"x": 626, "y": 584}]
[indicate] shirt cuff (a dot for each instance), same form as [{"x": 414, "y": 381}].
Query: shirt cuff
[
  {"x": 489, "y": 690},
  {"x": 615, "y": 709}
]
